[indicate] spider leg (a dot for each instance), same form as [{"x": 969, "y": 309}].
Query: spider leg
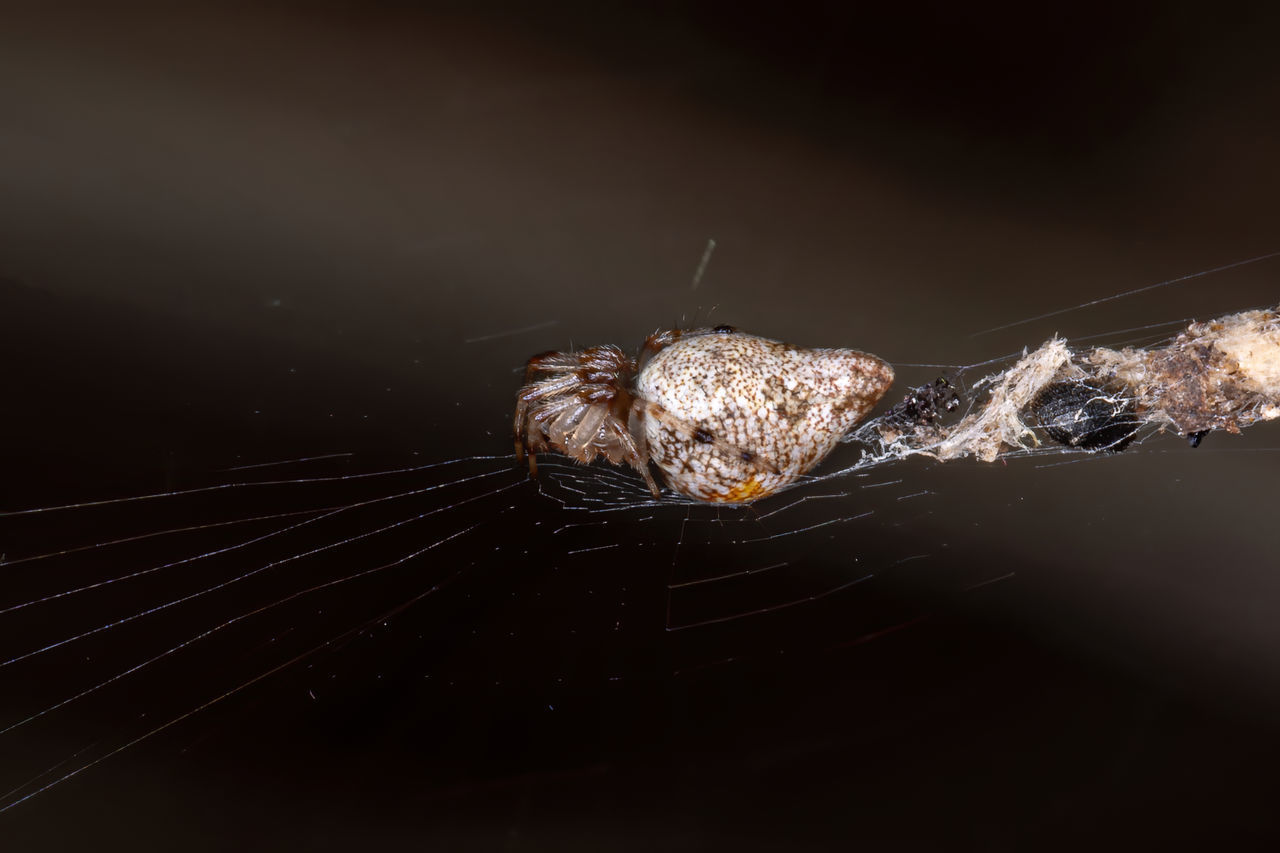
[
  {"x": 635, "y": 456},
  {"x": 655, "y": 343},
  {"x": 518, "y": 428},
  {"x": 550, "y": 361},
  {"x": 570, "y": 403}
]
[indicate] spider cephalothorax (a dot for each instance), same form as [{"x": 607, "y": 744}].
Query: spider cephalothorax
[{"x": 726, "y": 416}]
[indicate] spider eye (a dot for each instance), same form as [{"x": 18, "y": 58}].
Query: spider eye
[
  {"x": 724, "y": 329},
  {"x": 703, "y": 436}
]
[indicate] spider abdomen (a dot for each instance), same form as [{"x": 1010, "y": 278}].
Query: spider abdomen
[{"x": 732, "y": 417}]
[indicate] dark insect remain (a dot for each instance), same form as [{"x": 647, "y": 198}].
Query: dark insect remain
[{"x": 1079, "y": 414}]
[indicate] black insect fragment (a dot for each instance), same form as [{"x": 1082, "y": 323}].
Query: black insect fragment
[
  {"x": 1078, "y": 414},
  {"x": 923, "y": 405}
]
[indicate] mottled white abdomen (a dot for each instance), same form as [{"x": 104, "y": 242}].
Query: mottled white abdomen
[{"x": 733, "y": 417}]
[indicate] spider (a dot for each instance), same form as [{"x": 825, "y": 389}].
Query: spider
[{"x": 725, "y": 416}]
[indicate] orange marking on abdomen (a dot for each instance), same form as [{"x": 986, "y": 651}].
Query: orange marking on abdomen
[{"x": 747, "y": 490}]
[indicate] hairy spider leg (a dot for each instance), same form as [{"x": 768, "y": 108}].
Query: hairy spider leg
[
  {"x": 548, "y": 361},
  {"x": 622, "y": 442}
]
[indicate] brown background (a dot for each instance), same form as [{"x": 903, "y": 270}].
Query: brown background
[{"x": 226, "y": 230}]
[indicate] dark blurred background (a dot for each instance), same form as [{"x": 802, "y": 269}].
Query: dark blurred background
[{"x": 243, "y": 233}]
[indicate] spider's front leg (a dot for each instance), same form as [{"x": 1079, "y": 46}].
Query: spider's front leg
[
  {"x": 631, "y": 442},
  {"x": 581, "y": 404},
  {"x": 549, "y": 361}
]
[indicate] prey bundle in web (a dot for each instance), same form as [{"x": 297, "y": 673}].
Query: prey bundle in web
[{"x": 1222, "y": 374}]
